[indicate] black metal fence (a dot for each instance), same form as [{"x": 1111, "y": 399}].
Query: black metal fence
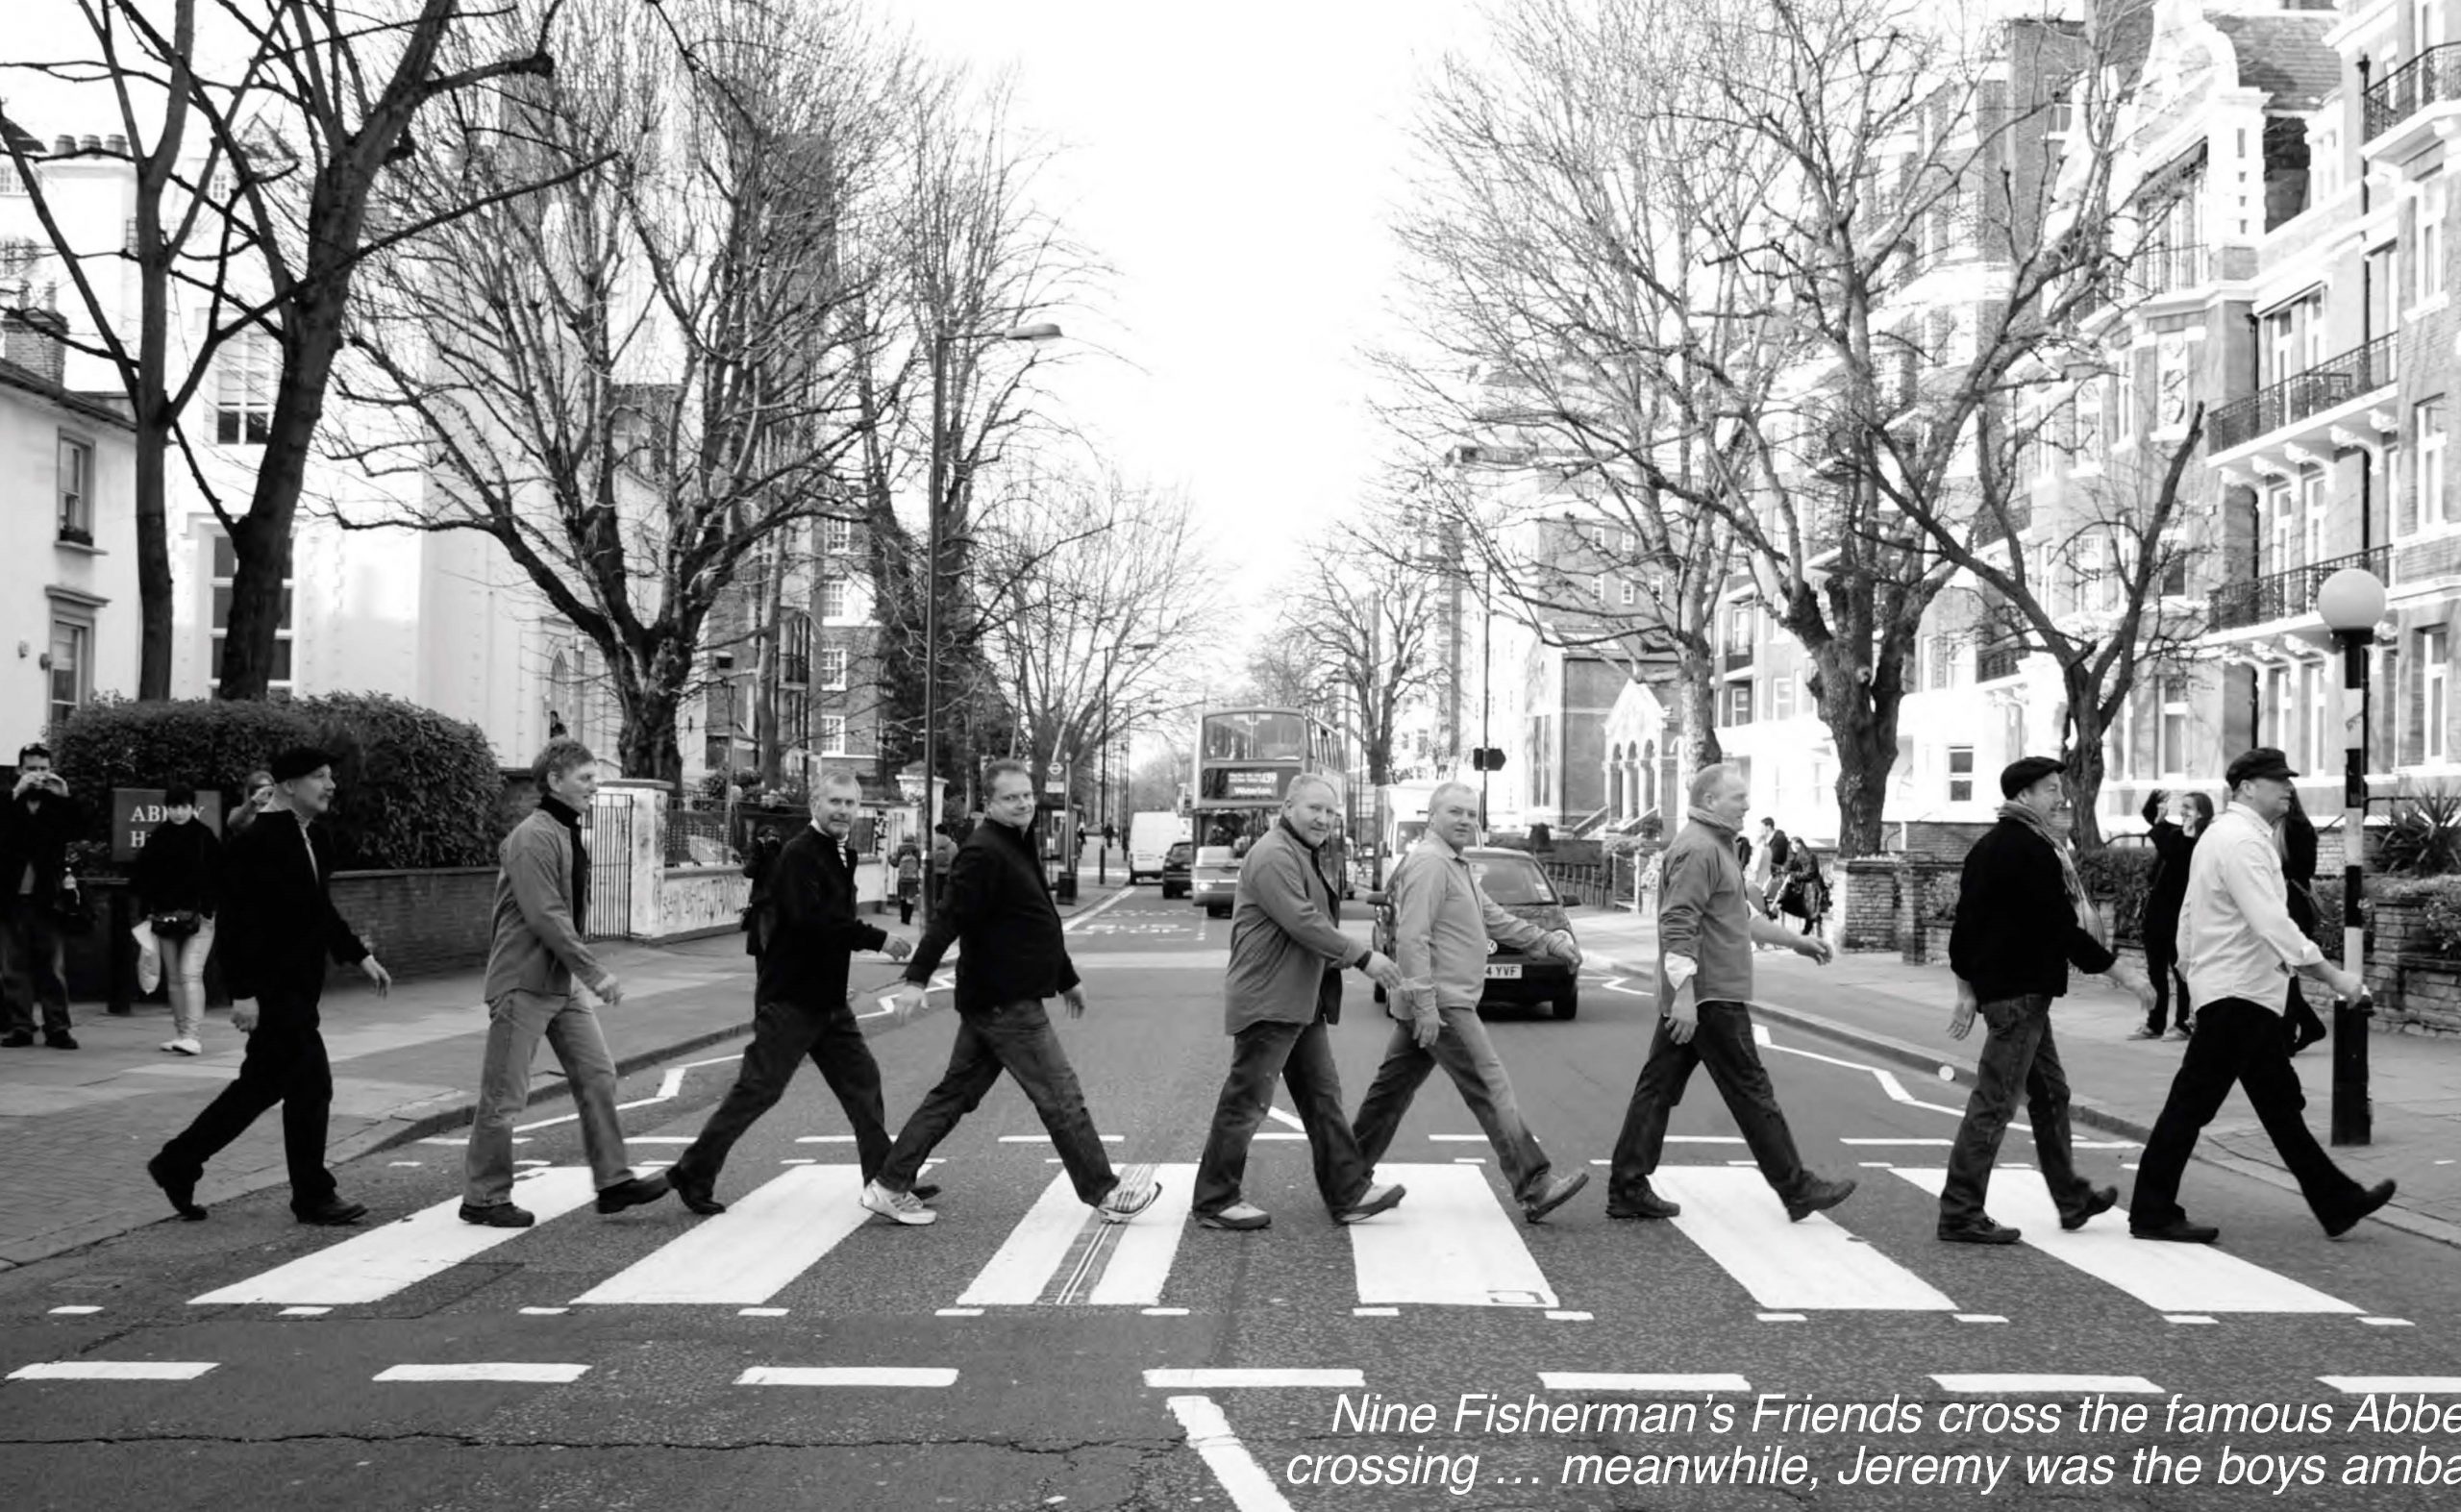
[
  {"x": 610, "y": 870},
  {"x": 2286, "y": 594}
]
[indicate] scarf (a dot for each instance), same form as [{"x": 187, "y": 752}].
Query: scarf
[
  {"x": 2088, "y": 917},
  {"x": 570, "y": 817},
  {"x": 1700, "y": 816}
]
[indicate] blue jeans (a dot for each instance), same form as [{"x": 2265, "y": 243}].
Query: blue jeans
[
  {"x": 1299, "y": 1055},
  {"x": 1467, "y": 1055},
  {"x": 1722, "y": 1040},
  {"x": 1017, "y": 1038},
  {"x": 517, "y": 1022},
  {"x": 2019, "y": 1057}
]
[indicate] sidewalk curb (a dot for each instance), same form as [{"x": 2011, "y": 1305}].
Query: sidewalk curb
[{"x": 2093, "y": 1115}]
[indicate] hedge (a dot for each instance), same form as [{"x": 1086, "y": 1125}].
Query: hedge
[
  {"x": 415, "y": 788},
  {"x": 2122, "y": 876}
]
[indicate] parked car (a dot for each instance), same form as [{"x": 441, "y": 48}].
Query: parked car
[
  {"x": 1515, "y": 883},
  {"x": 1176, "y": 864},
  {"x": 1213, "y": 879}
]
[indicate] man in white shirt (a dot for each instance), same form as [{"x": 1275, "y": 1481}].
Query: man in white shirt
[{"x": 2239, "y": 947}]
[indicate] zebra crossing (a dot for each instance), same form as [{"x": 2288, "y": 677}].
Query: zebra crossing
[{"x": 1457, "y": 1242}]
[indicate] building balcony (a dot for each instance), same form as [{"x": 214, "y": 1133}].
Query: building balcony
[
  {"x": 2408, "y": 95},
  {"x": 2162, "y": 270},
  {"x": 1737, "y": 660},
  {"x": 2287, "y": 594},
  {"x": 2300, "y": 399},
  {"x": 1996, "y": 664}
]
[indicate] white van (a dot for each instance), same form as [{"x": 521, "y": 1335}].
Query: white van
[{"x": 1150, "y": 835}]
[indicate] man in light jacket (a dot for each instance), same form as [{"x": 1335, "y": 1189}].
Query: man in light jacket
[
  {"x": 1442, "y": 922},
  {"x": 543, "y": 896},
  {"x": 1285, "y": 987}
]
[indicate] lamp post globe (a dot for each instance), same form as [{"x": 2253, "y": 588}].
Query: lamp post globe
[
  {"x": 2351, "y": 599},
  {"x": 2351, "y": 604}
]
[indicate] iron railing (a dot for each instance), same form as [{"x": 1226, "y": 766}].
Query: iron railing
[
  {"x": 1739, "y": 658},
  {"x": 2337, "y": 380},
  {"x": 1992, "y": 662},
  {"x": 609, "y": 910},
  {"x": 2285, "y": 594},
  {"x": 2162, "y": 269},
  {"x": 2432, "y": 77}
]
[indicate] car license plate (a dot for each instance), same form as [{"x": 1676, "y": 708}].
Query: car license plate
[{"x": 1504, "y": 974}]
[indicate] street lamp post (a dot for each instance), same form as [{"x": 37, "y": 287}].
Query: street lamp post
[
  {"x": 2350, "y": 601},
  {"x": 1041, "y": 330},
  {"x": 1103, "y": 808}
]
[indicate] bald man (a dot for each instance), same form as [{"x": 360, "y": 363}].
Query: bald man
[{"x": 1442, "y": 921}]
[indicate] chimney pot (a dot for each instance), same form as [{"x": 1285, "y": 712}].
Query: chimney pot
[
  {"x": 31, "y": 339},
  {"x": 90, "y": 144},
  {"x": 63, "y": 146},
  {"x": 117, "y": 143}
]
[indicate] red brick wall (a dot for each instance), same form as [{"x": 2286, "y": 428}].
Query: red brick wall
[{"x": 420, "y": 923}]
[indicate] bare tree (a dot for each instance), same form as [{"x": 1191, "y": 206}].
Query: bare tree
[
  {"x": 251, "y": 205},
  {"x": 640, "y": 378},
  {"x": 1368, "y": 634}
]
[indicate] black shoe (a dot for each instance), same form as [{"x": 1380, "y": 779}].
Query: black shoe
[
  {"x": 2178, "y": 1230},
  {"x": 331, "y": 1213},
  {"x": 2097, "y": 1201},
  {"x": 700, "y": 1196},
  {"x": 1818, "y": 1195},
  {"x": 1558, "y": 1191},
  {"x": 632, "y": 1193},
  {"x": 61, "y": 1039},
  {"x": 1649, "y": 1205},
  {"x": 1979, "y": 1230},
  {"x": 498, "y": 1215},
  {"x": 2374, "y": 1197},
  {"x": 180, "y": 1189},
  {"x": 16, "y": 1039},
  {"x": 924, "y": 1191}
]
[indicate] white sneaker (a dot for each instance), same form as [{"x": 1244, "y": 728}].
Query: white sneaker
[
  {"x": 186, "y": 1045},
  {"x": 1124, "y": 1202},
  {"x": 168, "y": 1046},
  {"x": 903, "y": 1207}
]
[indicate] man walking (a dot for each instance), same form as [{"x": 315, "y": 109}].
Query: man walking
[
  {"x": 1016, "y": 955},
  {"x": 2240, "y": 946},
  {"x": 800, "y": 999},
  {"x": 1285, "y": 987},
  {"x": 1442, "y": 921},
  {"x": 1775, "y": 851},
  {"x": 1706, "y": 927},
  {"x": 276, "y": 928},
  {"x": 36, "y": 829},
  {"x": 542, "y": 894},
  {"x": 2023, "y": 921}
]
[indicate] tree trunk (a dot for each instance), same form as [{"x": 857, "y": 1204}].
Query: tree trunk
[
  {"x": 1866, "y": 737},
  {"x": 647, "y": 746},
  {"x": 261, "y": 541},
  {"x": 1698, "y": 705},
  {"x": 153, "y": 557},
  {"x": 2081, "y": 757}
]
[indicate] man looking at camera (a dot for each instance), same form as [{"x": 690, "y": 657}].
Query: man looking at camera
[
  {"x": 800, "y": 1009},
  {"x": 36, "y": 829}
]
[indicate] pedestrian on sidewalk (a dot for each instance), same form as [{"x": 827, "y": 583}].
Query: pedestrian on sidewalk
[
  {"x": 910, "y": 880},
  {"x": 2024, "y": 919},
  {"x": 35, "y": 827},
  {"x": 541, "y": 906},
  {"x": 1706, "y": 929},
  {"x": 178, "y": 878},
  {"x": 2177, "y": 821},
  {"x": 277, "y": 928},
  {"x": 1281, "y": 994},
  {"x": 1442, "y": 921},
  {"x": 1804, "y": 894},
  {"x": 800, "y": 1007},
  {"x": 2296, "y": 837},
  {"x": 257, "y": 799},
  {"x": 2240, "y": 945},
  {"x": 997, "y": 905}
]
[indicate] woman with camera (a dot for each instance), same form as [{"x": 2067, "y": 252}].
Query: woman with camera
[{"x": 179, "y": 887}]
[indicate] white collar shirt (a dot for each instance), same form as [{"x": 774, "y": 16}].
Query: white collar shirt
[{"x": 2236, "y": 938}]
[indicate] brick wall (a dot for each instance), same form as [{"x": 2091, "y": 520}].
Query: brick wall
[
  {"x": 2426, "y": 990},
  {"x": 1867, "y": 902},
  {"x": 419, "y": 923},
  {"x": 1927, "y": 894},
  {"x": 1939, "y": 840}
]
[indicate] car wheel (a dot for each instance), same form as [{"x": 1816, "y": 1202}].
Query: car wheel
[{"x": 1568, "y": 1003}]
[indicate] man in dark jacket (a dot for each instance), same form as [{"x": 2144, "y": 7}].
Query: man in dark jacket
[
  {"x": 1015, "y": 956},
  {"x": 800, "y": 1006},
  {"x": 35, "y": 827},
  {"x": 277, "y": 928},
  {"x": 2022, "y": 920}
]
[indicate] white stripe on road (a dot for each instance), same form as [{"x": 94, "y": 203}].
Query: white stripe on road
[
  {"x": 1140, "y": 1260},
  {"x": 1940, "y": 1142},
  {"x": 1615, "y": 1380},
  {"x": 668, "y": 1085},
  {"x": 1107, "y": 1264},
  {"x": 1451, "y": 1244},
  {"x": 2167, "y": 1277},
  {"x": 1262, "y": 1379},
  {"x": 1152, "y": 960},
  {"x": 1243, "y": 1481},
  {"x": 1044, "y": 1139},
  {"x": 530, "y": 1373},
  {"x": 846, "y": 1376},
  {"x": 1812, "y": 1265},
  {"x": 1285, "y": 1117},
  {"x": 2046, "y": 1385},
  {"x": 427, "y": 1243},
  {"x": 750, "y": 1253},
  {"x": 114, "y": 1370},
  {"x": 2393, "y": 1385}
]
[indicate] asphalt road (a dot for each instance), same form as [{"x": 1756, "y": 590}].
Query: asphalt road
[{"x": 1015, "y": 1357}]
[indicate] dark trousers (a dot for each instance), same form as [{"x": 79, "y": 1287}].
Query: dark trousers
[
  {"x": 783, "y": 1035},
  {"x": 2239, "y": 1042},
  {"x": 1469, "y": 1058},
  {"x": 2162, "y": 969},
  {"x": 30, "y": 970},
  {"x": 1017, "y": 1038},
  {"x": 2019, "y": 1057},
  {"x": 1723, "y": 1042},
  {"x": 1303, "y": 1055},
  {"x": 284, "y": 1063}
]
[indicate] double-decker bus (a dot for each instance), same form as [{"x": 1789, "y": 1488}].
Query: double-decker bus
[{"x": 1245, "y": 760}]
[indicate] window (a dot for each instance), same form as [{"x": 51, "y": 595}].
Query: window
[
  {"x": 832, "y": 667},
  {"x": 2280, "y": 688},
  {"x": 1632, "y": 593},
  {"x": 1738, "y": 699},
  {"x": 2283, "y": 535},
  {"x": 72, "y": 664},
  {"x": 837, "y": 535},
  {"x": 2435, "y": 710},
  {"x": 832, "y": 598},
  {"x": 1598, "y": 588},
  {"x": 225, "y": 566},
  {"x": 10, "y": 181},
  {"x": 76, "y": 490},
  {"x": 2126, "y": 386},
  {"x": 833, "y": 735},
  {"x": 2089, "y": 427},
  {"x": 1960, "y": 774},
  {"x": 2311, "y": 490},
  {"x": 246, "y": 372},
  {"x": 2426, "y": 242},
  {"x": 2428, "y": 428},
  {"x": 2172, "y": 757}
]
